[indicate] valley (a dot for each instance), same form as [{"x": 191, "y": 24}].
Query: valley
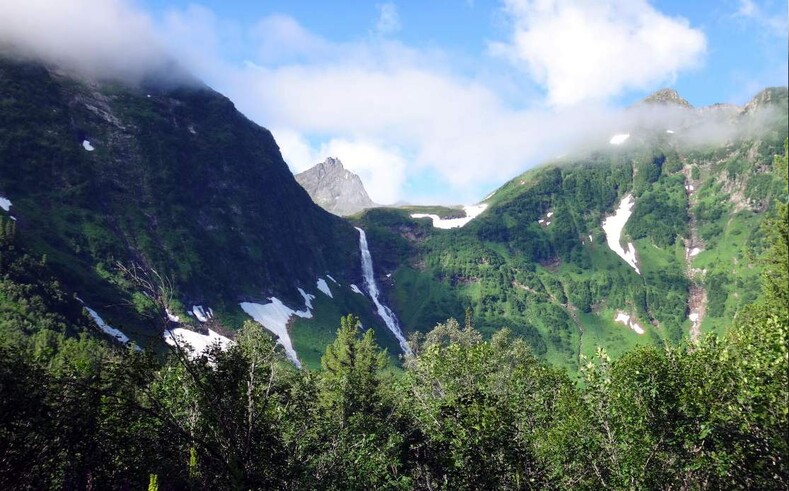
[
  {"x": 616, "y": 246},
  {"x": 204, "y": 293}
]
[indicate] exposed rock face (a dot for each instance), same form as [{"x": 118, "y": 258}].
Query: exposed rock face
[
  {"x": 334, "y": 188},
  {"x": 666, "y": 96},
  {"x": 768, "y": 96}
]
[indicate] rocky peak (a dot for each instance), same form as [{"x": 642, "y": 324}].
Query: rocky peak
[
  {"x": 767, "y": 97},
  {"x": 334, "y": 188},
  {"x": 667, "y": 97}
]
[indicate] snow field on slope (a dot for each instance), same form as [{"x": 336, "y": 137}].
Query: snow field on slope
[
  {"x": 613, "y": 226},
  {"x": 275, "y": 315},
  {"x": 446, "y": 223},
  {"x": 324, "y": 287},
  {"x": 626, "y": 319},
  {"x": 198, "y": 342},
  {"x": 115, "y": 333}
]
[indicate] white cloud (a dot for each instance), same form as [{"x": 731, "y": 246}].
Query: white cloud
[
  {"x": 396, "y": 115},
  {"x": 381, "y": 169},
  {"x": 281, "y": 38},
  {"x": 747, "y": 8},
  {"x": 597, "y": 49},
  {"x": 392, "y": 113},
  {"x": 296, "y": 150},
  {"x": 102, "y": 39},
  {"x": 388, "y": 19},
  {"x": 773, "y": 24}
]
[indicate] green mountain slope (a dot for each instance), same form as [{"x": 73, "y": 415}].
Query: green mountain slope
[
  {"x": 166, "y": 176},
  {"x": 537, "y": 260}
]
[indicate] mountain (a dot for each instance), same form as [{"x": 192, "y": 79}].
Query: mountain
[
  {"x": 161, "y": 198},
  {"x": 139, "y": 198},
  {"x": 666, "y": 97},
  {"x": 334, "y": 188},
  {"x": 647, "y": 239}
]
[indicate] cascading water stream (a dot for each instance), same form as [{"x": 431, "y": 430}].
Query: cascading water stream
[{"x": 372, "y": 288}]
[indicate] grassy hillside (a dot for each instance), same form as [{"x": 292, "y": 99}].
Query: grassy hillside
[
  {"x": 168, "y": 177},
  {"x": 536, "y": 261}
]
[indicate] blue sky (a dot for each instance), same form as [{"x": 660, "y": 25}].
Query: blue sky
[{"x": 432, "y": 101}]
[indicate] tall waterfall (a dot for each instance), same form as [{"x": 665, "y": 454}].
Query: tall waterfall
[{"x": 369, "y": 281}]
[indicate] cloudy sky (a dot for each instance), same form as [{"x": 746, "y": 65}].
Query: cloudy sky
[{"x": 428, "y": 101}]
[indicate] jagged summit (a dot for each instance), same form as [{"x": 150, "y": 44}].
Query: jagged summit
[
  {"x": 334, "y": 188},
  {"x": 768, "y": 96},
  {"x": 666, "y": 96}
]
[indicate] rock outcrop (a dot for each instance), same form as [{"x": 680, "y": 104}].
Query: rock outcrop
[{"x": 334, "y": 188}]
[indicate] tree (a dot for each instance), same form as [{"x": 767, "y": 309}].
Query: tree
[{"x": 355, "y": 444}]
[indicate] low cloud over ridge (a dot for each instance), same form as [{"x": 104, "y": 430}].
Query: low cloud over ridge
[
  {"x": 102, "y": 39},
  {"x": 395, "y": 114},
  {"x": 597, "y": 49}
]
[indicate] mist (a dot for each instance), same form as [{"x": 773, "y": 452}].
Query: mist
[
  {"x": 435, "y": 136},
  {"x": 690, "y": 127},
  {"x": 107, "y": 39}
]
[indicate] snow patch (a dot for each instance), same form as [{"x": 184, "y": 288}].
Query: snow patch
[
  {"x": 695, "y": 319},
  {"x": 546, "y": 220},
  {"x": 274, "y": 317},
  {"x": 626, "y": 319},
  {"x": 613, "y": 226},
  {"x": 87, "y": 146},
  {"x": 333, "y": 280},
  {"x": 694, "y": 252},
  {"x": 200, "y": 313},
  {"x": 590, "y": 238},
  {"x": 619, "y": 139},
  {"x": 446, "y": 223},
  {"x": 670, "y": 132},
  {"x": 5, "y": 203},
  {"x": 115, "y": 333},
  {"x": 324, "y": 287},
  {"x": 171, "y": 317},
  {"x": 689, "y": 188},
  {"x": 307, "y": 299},
  {"x": 198, "y": 343},
  {"x": 356, "y": 289}
]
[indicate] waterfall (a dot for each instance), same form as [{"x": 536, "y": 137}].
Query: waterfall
[{"x": 369, "y": 281}]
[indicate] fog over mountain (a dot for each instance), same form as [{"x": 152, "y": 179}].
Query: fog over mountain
[{"x": 426, "y": 148}]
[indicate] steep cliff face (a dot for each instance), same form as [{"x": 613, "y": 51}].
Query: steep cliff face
[
  {"x": 334, "y": 188},
  {"x": 171, "y": 177}
]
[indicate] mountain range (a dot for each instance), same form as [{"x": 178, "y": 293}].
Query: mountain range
[{"x": 158, "y": 209}]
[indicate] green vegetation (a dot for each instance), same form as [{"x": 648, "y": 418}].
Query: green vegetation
[
  {"x": 521, "y": 397},
  {"x": 465, "y": 414},
  {"x": 179, "y": 182},
  {"x": 556, "y": 285}
]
